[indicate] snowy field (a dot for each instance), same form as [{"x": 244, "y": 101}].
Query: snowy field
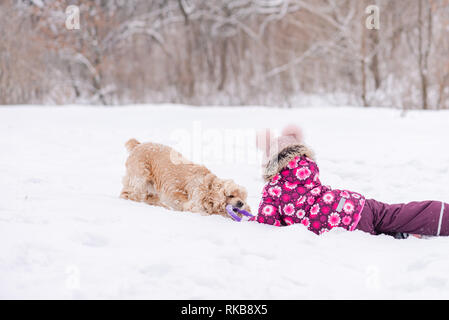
[{"x": 64, "y": 232}]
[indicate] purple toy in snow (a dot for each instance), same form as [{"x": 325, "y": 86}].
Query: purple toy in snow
[{"x": 232, "y": 211}]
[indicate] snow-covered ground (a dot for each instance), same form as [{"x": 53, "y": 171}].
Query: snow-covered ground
[{"x": 64, "y": 233}]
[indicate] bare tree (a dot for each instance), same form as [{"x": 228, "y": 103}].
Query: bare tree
[{"x": 271, "y": 52}]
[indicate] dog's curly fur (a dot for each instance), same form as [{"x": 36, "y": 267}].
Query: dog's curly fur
[{"x": 158, "y": 175}]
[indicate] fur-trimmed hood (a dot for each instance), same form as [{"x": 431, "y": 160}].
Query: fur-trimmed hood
[{"x": 280, "y": 160}]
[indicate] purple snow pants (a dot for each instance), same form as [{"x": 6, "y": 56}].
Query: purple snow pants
[{"x": 429, "y": 218}]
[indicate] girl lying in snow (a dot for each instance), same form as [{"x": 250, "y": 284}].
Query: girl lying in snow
[{"x": 294, "y": 194}]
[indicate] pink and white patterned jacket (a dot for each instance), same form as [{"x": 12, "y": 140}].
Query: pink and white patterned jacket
[{"x": 295, "y": 195}]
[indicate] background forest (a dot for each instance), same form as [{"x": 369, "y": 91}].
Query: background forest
[{"x": 234, "y": 52}]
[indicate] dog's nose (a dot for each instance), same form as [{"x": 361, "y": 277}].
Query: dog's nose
[{"x": 239, "y": 204}]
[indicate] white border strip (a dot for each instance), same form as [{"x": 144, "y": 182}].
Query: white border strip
[
  {"x": 441, "y": 219},
  {"x": 340, "y": 205}
]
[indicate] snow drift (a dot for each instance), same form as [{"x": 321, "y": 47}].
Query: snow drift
[{"x": 64, "y": 233}]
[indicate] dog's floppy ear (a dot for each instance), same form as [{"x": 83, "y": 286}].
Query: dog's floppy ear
[
  {"x": 228, "y": 187},
  {"x": 214, "y": 200}
]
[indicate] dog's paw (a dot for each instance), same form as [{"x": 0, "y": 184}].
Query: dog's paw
[{"x": 124, "y": 195}]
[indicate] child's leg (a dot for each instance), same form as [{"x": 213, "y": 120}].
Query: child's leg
[
  {"x": 430, "y": 218},
  {"x": 367, "y": 216}
]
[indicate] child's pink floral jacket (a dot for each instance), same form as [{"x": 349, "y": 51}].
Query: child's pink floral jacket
[{"x": 295, "y": 195}]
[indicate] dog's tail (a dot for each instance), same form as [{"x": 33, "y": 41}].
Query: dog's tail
[{"x": 131, "y": 144}]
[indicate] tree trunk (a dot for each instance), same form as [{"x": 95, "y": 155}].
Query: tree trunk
[{"x": 424, "y": 50}]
